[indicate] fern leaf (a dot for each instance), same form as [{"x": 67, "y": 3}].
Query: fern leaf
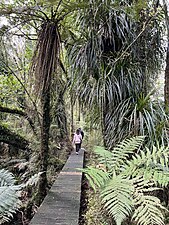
[
  {"x": 148, "y": 210},
  {"x": 121, "y": 152},
  {"x": 33, "y": 180},
  {"x": 105, "y": 156},
  {"x": 9, "y": 202},
  {"x": 150, "y": 165},
  {"x": 96, "y": 177},
  {"x": 116, "y": 197},
  {"x": 6, "y": 178}
]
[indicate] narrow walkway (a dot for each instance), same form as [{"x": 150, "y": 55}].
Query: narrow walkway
[{"x": 62, "y": 204}]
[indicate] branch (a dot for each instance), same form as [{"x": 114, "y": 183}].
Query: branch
[
  {"x": 166, "y": 16},
  {"x": 24, "y": 35},
  {"x": 9, "y": 137},
  {"x": 20, "y": 113},
  {"x": 34, "y": 104},
  {"x": 21, "y": 11},
  {"x": 56, "y": 10}
]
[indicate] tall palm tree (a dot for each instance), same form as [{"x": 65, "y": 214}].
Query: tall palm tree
[
  {"x": 47, "y": 21},
  {"x": 44, "y": 66},
  {"x": 46, "y": 60}
]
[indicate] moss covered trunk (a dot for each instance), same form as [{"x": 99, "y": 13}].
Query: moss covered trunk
[
  {"x": 45, "y": 100},
  {"x": 166, "y": 87}
]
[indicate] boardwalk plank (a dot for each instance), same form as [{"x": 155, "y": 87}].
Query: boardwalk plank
[{"x": 62, "y": 204}]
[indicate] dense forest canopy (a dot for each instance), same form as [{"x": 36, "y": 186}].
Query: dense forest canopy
[{"x": 66, "y": 64}]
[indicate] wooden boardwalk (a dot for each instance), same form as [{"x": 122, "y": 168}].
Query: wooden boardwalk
[{"x": 62, "y": 204}]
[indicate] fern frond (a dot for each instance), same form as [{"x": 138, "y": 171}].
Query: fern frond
[
  {"x": 115, "y": 159},
  {"x": 148, "y": 210},
  {"x": 116, "y": 197},
  {"x": 151, "y": 165},
  {"x": 33, "y": 180},
  {"x": 105, "y": 156},
  {"x": 138, "y": 176},
  {"x": 9, "y": 202},
  {"x": 6, "y": 178},
  {"x": 97, "y": 178},
  {"x": 121, "y": 152}
]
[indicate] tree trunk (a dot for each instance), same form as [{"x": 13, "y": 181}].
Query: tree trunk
[
  {"x": 166, "y": 82},
  {"x": 45, "y": 100},
  {"x": 72, "y": 120},
  {"x": 61, "y": 116},
  {"x": 44, "y": 66},
  {"x": 166, "y": 85},
  {"x": 79, "y": 109}
]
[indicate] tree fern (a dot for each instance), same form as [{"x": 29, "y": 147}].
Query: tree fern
[
  {"x": 8, "y": 195},
  {"x": 121, "y": 152},
  {"x": 9, "y": 199},
  {"x": 105, "y": 157},
  {"x": 148, "y": 210}
]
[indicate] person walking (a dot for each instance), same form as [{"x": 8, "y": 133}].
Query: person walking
[
  {"x": 82, "y": 133},
  {"x": 77, "y": 139}
]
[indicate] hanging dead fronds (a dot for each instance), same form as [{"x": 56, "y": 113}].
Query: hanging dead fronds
[{"x": 46, "y": 56}]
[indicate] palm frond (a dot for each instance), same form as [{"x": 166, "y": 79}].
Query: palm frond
[
  {"x": 105, "y": 79},
  {"x": 46, "y": 56},
  {"x": 138, "y": 116}
]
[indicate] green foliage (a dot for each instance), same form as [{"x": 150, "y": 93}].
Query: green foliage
[
  {"x": 108, "y": 66},
  {"x": 117, "y": 198},
  {"x": 94, "y": 214},
  {"x": 151, "y": 165},
  {"x": 127, "y": 179},
  {"x": 139, "y": 116},
  {"x": 148, "y": 210},
  {"x": 10, "y": 194},
  {"x": 97, "y": 177},
  {"x": 9, "y": 202},
  {"x": 10, "y": 137},
  {"x": 6, "y": 178},
  {"x": 11, "y": 89},
  {"x": 116, "y": 158},
  {"x": 55, "y": 162},
  {"x": 9, "y": 198}
]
